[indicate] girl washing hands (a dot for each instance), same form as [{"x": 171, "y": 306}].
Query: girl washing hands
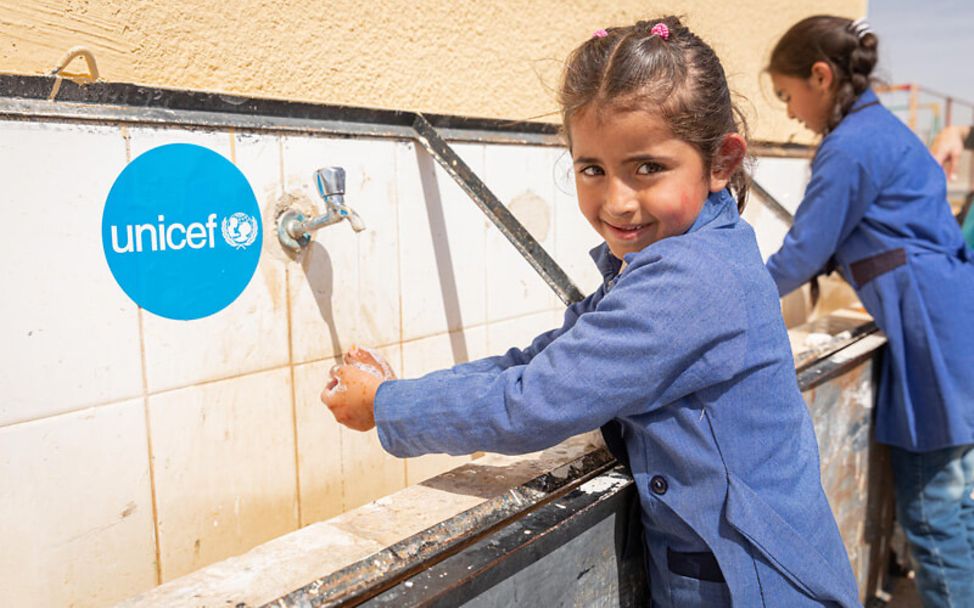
[
  {"x": 876, "y": 209},
  {"x": 682, "y": 347}
]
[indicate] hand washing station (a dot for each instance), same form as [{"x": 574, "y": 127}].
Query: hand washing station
[
  {"x": 550, "y": 529},
  {"x": 537, "y": 530}
]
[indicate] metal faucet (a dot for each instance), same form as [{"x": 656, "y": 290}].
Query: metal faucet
[{"x": 294, "y": 230}]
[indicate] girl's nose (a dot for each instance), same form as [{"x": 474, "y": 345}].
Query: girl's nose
[{"x": 620, "y": 200}]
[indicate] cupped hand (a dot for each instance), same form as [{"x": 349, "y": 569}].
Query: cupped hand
[
  {"x": 350, "y": 395},
  {"x": 350, "y": 392},
  {"x": 369, "y": 360}
]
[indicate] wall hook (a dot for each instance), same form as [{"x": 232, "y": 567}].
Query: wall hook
[{"x": 80, "y": 79}]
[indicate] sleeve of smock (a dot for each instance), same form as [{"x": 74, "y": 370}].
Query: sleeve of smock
[
  {"x": 670, "y": 327},
  {"x": 835, "y": 201}
]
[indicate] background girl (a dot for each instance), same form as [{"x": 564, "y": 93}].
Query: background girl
[
  {"x": 683, "y": 347},
  {"x": 876, "y": 208}
]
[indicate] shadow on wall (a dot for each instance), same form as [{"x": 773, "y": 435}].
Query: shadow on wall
[
  {"x": 441, "y": 252},
  {"x": 318, "y": 267},
  {"x": 320, "y": 272}
]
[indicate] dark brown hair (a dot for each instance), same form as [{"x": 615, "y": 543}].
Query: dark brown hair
[
  {"x": 847, "y": 46},
  {"x": 679, "y": 79}
]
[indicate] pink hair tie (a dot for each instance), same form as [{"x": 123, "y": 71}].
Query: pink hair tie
[
  {"x": 660, "y": 30},
  {"x": 600, "y": 33}
]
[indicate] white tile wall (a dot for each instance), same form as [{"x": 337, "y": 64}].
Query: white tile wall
[
  {"x": 70, "y": 336},
  {"x": 224, "y": 465},
  {"x": 769, "y": 228},
  {"x": 345, "y": 286},
  {"x": 442, "y": 236},
  {"x": 525, "y": 176},
  {"x": 368, "y": 471},
  {"x": 76, "y": 508},
  {"x": 340, "y": 469},
  {"x": 519, "y": 332},
  {"x": 430, "y": 354},
  {"x": 785, "y": 180},
  {"x": 251, "y": 333},
  {"x": 319, "y": 445},
  {"x": 574, "y": 236}
]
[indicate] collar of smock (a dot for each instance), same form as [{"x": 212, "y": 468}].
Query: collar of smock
[
  {"x": 868, "y": 97},
  {"x": 718, "y": 210}
]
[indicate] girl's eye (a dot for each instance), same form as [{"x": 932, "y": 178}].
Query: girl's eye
[
  {"x": 649, "y": 168},
  {"x": 592, "y": 171}
]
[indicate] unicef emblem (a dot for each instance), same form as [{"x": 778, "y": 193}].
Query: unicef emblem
[
  {"x": 239, "y": 230},
  {"x": 161, "y": 231}
]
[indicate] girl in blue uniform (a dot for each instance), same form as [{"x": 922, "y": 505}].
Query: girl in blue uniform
[
  {"x": 876, "y": 209},
  {"x": 682, "y": 348}
]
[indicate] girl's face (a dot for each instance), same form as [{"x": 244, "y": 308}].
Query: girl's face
[
  {"x": 636, "y": 182},
  {"x": 809, "y": 100}
]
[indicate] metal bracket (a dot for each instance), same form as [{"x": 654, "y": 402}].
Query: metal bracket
[{"x": 516, "y": 233}]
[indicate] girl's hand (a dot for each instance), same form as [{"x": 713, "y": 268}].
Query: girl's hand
[
  {"x": 369, "y": 360},
  {"x": 350, "y": 393},
  {"x": 947, "y": 148}
]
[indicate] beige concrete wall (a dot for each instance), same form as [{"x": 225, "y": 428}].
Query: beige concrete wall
[{"x": 491, "y": 59}]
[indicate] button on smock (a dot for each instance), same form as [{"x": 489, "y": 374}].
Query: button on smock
[{"x": 658, "y": 485}]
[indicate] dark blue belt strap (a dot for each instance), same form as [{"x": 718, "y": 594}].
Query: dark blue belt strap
[{"x": 867, "y": 269}]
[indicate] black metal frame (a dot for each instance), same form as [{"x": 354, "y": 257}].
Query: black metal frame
[
  {"x": 492, "y": 559},
  {"x": 505, "y": 221},
  {"x": 366, "y": 579},
  {"x": 31, "y": 97}
]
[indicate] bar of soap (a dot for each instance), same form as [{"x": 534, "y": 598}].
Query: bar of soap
[{"x": 817, "y": 339}]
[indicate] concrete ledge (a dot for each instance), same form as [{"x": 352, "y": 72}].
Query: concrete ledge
[{"x": 348, "y": 555}]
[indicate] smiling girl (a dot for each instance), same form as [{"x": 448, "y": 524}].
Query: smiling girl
[{"x": 682, "y": 352}]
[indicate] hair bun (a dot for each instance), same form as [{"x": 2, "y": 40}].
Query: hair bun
[{"x": 869, "y": 41}]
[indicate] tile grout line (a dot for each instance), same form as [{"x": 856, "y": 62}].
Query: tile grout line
[
  {"x": 290, "y": 361},
  {"x": 294, "y": 400},
  {"x": 144, "y": 392},
  {"x": 157, "y": 545},
  {"x": 485, "y": 229},
  {"x": 402, "y": 355},
  {"x": 148, "y": 437}
]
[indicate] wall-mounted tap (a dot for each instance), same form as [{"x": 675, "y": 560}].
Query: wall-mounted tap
[{"x": 294, "y": 229}]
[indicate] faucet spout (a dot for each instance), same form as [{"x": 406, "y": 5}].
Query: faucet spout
[
  {"x": 294, "y": 230},
  {"x": 357, "y": 224},
  {"x": 344, "y": 212}
]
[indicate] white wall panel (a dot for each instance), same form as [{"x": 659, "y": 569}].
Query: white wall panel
[{"x": 70, "y": 335}]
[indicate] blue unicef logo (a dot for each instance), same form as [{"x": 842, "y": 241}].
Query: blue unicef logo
[{"x": 181, "y": 231}]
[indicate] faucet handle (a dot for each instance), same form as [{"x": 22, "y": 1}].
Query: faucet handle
[{"x": 330, "y": 181}]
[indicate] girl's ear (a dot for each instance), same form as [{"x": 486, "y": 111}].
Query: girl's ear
[
  {"x": 822, "y": 76},
  {"x": 728, "y": 158}
]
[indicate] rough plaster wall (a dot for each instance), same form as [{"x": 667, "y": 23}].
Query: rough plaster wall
[{"x": 491, "y": 59}]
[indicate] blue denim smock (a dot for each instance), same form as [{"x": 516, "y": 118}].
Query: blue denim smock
[
  {"x": 876, "y": 188},
  {"x": 687, "y": 350}
]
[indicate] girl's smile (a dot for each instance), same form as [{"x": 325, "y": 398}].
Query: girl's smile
[{"x": 628, "y": 233}]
